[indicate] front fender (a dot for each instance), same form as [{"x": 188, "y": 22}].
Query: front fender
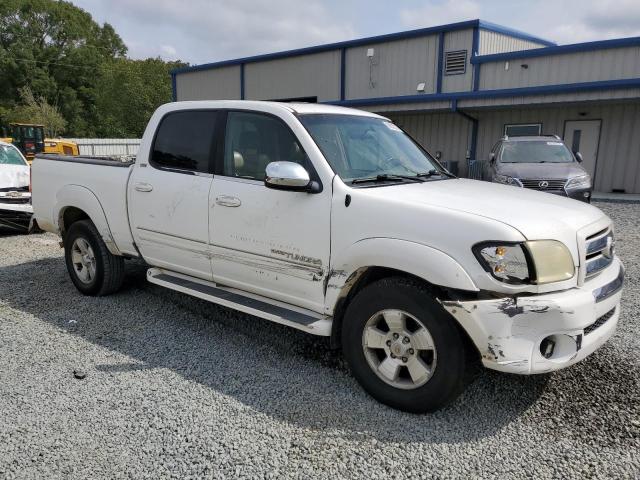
[
  {"x": 84, "y": 199},
  {"x": 430, "y": 264}
]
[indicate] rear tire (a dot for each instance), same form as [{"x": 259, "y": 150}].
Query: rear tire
[
  {"x": 403, "y": 347},
  {"x": 93, "y": 269}
]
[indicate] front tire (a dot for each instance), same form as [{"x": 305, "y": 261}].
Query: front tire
[
  {"x": 403, "y": 347},
  {"x": 93, "y": 269}
]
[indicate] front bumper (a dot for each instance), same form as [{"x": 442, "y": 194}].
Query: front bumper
[
  {"x": 16, "y": 216},
  {"x": 509, "y": 331}
]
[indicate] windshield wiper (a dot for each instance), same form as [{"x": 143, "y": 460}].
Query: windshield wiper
[
  {"x": 384, "y": 177},
  {"x": 434, "y": 173}
]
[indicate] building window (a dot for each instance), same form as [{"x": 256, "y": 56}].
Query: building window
[
  {"x": 455, "y": 63},
  {"x": 523, "y": 130}
]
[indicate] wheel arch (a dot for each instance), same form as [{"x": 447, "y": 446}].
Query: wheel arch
[
  {"x": 373, "y": 259},
  {"x": 74, "y": 203}
]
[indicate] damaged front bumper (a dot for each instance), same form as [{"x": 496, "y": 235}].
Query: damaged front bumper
[
  {"x": 16, "y": 216},
  {"x": 542, "y": 333}
]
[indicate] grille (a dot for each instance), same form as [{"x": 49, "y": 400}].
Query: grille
[
  {"x": 13, "y": 201},
  {"x": 599, "y": 252},
  {"x": 600, "y": 321},
  {"x": 539, "y": 184},
  {"x": 455, "y": 63},
  {"x": 15, "y": 189}
]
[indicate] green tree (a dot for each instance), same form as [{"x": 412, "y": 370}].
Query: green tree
[
  {"x": 55, "y": 49},
  {"x": 127, "y": 93},
  {"x": 39, "y": 111}
]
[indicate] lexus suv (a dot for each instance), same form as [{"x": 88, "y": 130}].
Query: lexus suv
[{"x": 539, "y": 163}]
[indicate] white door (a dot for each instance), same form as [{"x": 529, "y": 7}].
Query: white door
[
  {"x": 269, "y": 242},
  {"x": 584, "y": 136},
  {"x": 169, "y": 197}
]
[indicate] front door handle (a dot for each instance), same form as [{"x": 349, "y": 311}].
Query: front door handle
[
  {"x": 143, "y": 187},
  {"x": 227, "y": 201}
]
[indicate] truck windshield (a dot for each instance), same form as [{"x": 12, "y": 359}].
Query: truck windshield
[
  {"x": 10, "y": 156},
  {"x": 535, "y": 151},
  {"x": 359, "y": 147}
]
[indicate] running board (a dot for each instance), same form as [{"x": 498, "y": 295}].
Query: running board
[{"x": 279, "y": 312}]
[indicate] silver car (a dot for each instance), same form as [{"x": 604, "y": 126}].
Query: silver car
[{"x": 541, "y": 163}]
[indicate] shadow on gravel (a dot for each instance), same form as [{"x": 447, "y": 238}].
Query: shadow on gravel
[{"x": 283, "y": 373}]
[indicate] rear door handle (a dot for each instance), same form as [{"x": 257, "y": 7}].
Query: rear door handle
[
  {"x": 227, "y": 201},
  {"x": 143, "y": 187}
]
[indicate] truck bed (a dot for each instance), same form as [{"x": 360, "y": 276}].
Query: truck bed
[
  {"x": 96, "y": 184},
  {"x": 107, "y": 161}
]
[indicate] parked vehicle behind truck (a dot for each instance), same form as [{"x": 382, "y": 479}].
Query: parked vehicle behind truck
[
  {"x": 541, "y": 163},
  {"x": 15, "y": 192},
  {"x": 333, "y": 221}
]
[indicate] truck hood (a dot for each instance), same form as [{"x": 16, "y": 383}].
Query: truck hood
[
  {"x": 548, "y": 171},
  {"x": 14, "y": 176},
  {"x": 536, "y": 215}
]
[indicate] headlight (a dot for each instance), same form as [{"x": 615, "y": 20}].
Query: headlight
[
  {"x": 583, "y": 181},
  {"x": 507, "y": 180},
  {"x": 535, "y": 262}
]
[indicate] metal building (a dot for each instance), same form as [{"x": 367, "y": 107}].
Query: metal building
[{"x": 458, "y": 88}]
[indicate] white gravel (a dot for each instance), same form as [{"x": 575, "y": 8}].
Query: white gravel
[{"x": 177, "y": 387}]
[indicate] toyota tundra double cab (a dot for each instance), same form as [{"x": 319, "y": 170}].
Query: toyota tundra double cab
[{"x": 335, "y": 222}]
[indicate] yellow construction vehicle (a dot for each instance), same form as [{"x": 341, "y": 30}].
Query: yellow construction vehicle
[{"x": 29, "y": 139}]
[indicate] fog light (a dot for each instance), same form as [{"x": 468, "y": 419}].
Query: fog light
[
  {"x": 586, "y": 194},
  {"x": 546, "y": 347}
]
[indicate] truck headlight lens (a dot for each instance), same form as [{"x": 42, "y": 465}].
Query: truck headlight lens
[
  {"x": 552, "y": 261},
  {"x": 534, "y": 262},
  {"x": 575, "y": 183},
  {"x": 507, "y": 180},
  {"x": 507, "y": 263}
]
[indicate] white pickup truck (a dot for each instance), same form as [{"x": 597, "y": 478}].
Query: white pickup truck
[{"x": 335, "y": 222}]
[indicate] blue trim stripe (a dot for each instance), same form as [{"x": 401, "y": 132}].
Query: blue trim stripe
[
  {"x": 561, "y": 49},
  {"x": 440, "y": 62},
  {"x": 507, "y": 92},
  {"x": 475, "y": 48},
  {"x": 174, "y": 91},
  {"x": 492, "y": 27},
  {"x": 367, "y": 40},
  {"x": 343, "y": 72}
]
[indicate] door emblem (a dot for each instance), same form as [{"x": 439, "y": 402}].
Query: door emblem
[{"x": 543, "y": 184}]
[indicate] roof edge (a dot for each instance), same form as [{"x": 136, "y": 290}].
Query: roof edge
[
  {"x": 419, "y": 32},
  {"x": 493, "y": 27},
  {"x": 559, "y": 49}
]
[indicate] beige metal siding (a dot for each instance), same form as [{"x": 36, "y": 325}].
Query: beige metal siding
[
  {"x": 594, "y": 95},
  {"x": 396, "y": 68},
  {"x": 448, "y": 133},
  {"x": 214, "y": 84},
  {"x": 606, "y": 64},
  {"x": 453, "y": 41},
  {"x": 315, "y": 75},
  {"x": 618, "y": 162},
  {"x": 493, "y": 42}
]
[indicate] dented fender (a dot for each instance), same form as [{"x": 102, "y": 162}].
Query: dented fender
[
  {"x": 84, "y": 199},
  {"x": 425, "y": 262}
]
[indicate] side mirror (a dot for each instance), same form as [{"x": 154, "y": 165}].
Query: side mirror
[
  {"x": 289, "y": 176},
  {"x": 579, "y": 157},
  {"x": 492, "y": 158}
]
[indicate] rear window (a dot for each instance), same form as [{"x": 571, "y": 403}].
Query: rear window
[
  {"x": 185, "y": 141},
  {"x": 10, "y": 156}
]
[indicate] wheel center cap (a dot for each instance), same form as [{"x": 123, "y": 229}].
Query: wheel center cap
[{"x": 398, "y": 349}]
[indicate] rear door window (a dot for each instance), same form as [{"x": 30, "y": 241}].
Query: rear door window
[{"x": 185, "y": 141}]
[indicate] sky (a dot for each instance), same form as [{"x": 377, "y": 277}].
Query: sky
[{"x": 201, "y": 31}]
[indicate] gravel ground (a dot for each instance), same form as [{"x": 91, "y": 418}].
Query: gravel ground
[{"x": 177, "y": 387}]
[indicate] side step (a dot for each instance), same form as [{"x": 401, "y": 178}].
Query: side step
[{"x": 279, "y": 312}]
